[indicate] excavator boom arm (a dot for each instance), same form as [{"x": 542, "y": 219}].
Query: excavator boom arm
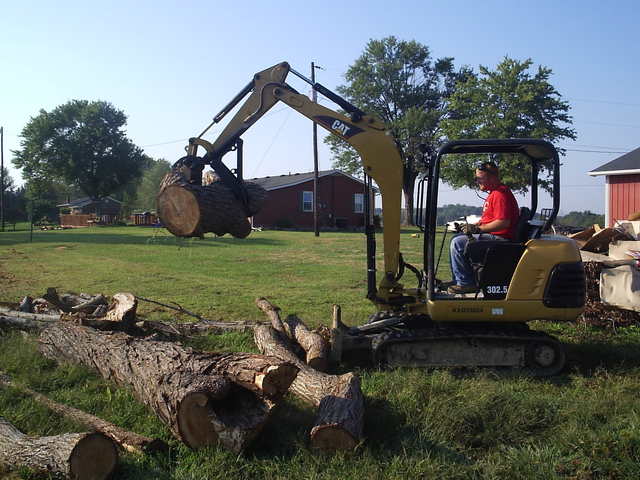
[{"x": 365, "y": 133}]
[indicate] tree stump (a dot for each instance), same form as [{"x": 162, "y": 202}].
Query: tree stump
[
  {"x": 203, "y": 398},
  {"x": 90, "y": 456},
  {"x": 189, "y": 210}
]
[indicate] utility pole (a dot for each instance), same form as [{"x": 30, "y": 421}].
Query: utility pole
[
  {"x": 2, "y": 178},
  {"x": 314, "y": 97}
]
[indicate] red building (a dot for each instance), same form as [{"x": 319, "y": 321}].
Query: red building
[
  {"x": 622, "y": 192},
  {"x": 289, "y": 202}
]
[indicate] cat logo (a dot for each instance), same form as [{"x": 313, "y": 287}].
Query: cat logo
[{"x": 341, "y": 128}]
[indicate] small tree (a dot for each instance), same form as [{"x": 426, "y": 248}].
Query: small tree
[
  {"x": 399, "y": 82},
  {"x": 150, "y": 184},
  {"x": 82, "y": 143},
  {"x": 508, "y": 102},
  {"x": 15, "y": 207}
]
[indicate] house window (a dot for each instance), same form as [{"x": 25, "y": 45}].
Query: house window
[
  {"x": 307, "y": 201},
  {"x": 358, "y": 202}
]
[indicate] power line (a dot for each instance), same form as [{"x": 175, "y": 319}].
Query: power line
[
  {"x": 610, "y": 124},
  {"x": 594, "y": 151},
  {"x": 610, "y": 102},
  {"x": 164, "y": 143},
  {"x": 273, "y": 140}
]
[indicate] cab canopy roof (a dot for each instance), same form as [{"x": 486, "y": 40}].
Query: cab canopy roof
[{"x": 531, "y": 147}]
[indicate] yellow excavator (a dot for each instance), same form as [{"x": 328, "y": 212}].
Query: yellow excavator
[{"x": 535, "y": 277}]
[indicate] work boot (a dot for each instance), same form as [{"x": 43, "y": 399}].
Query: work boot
[
  {"x": 459, "y": 289},
  {"x": 442, "y": 285}
]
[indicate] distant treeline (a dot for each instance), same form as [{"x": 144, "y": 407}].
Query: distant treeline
[
  {"x": 581, "y": 219},
  {"x": 448, "y": 213}
]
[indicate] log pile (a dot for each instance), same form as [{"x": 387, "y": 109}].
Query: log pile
[
  {"x": 203, "y": 398},
  {"x": 597, "y": 313},
  {"x": 339, "y": 399},
  {"x": 190, "y": 210}
]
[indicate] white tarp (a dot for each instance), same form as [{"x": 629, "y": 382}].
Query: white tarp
[{"x": 620, "y": 286}]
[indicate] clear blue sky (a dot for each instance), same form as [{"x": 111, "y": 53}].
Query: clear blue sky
[{"x": 172, "y": 65}]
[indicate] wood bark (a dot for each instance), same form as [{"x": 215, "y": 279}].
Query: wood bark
[
  {"x": 189, "y": 210},
  {"x": 89, "y": 305},
  {"x": 128, "y": 441},
  {"x": 45, "y": 317},
  {"x": 22, "y": 323},
  {"x": 339, "y": 399},
  {"x": 203, "y": 398},
  {"x": 177, "y": 330},
  {"x": 315, "y": 347},
  {"x": 81, "y": 456}
]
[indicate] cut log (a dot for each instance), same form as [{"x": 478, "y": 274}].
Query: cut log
[
  {"x": 129, "y": 441},
  {"x": 315, "y": 347},
  {"x": 189, "y": 210},
  {"x": 122, "y": 309},
  {"x": 177, "y": 330},
  {"x": 90, "y": 304},
  {"x": 90, "y": 456},
  {"x": 203, "y": 398},
  {"x": 273, "y": 314},
  {"x": 339, "y": 399},
  {"x": 20, "y": 323},
  {"x": 44, "y": 317},
  {"x": 26, "y": 304},
  {"x": 55, "y": 301}
]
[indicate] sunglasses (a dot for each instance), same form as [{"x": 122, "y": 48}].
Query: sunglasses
[{"x": 487, "y": 167}]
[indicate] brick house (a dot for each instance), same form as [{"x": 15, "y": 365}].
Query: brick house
[
  {"x": 289, "y": 202},
  {"x": 622, "y": 186},
  {"x": 86, "y": 211}
]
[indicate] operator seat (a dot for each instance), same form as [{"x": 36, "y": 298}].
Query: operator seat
[{"x": 494, "y": 261}]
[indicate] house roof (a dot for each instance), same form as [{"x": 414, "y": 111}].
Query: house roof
[
  {"x": 627, "y": 164},
  {"x": 84, "y": 201},
  {"x": 282, "y": 181}
]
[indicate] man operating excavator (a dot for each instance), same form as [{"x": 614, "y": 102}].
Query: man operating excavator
[{"x": 498, "y": 222}]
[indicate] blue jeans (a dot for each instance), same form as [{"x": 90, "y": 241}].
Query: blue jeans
[{"x": 461, "y": 269}]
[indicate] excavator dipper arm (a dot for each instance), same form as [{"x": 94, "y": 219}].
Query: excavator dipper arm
[{"x": 365, "y": 133}]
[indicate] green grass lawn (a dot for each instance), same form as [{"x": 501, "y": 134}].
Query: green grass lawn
[{"x": 582, "y": 424}]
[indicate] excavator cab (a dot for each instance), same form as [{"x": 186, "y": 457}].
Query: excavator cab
[{"x": 494, "y": 262}]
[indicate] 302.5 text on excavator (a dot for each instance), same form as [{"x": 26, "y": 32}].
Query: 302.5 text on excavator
[{"x": 535, "y": 277}]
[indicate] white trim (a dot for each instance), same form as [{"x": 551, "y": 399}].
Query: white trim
[
  {"x": 615, "y": 172},
  {"x": 607, "y": 190},
  {"x": 355, "y": 204},
  {"x": 303, "y": 202}
]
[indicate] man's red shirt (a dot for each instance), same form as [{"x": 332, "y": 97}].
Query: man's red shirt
[{"x": 501, "y": 205}]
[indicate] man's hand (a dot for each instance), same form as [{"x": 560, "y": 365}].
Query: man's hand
[{"x": 471, "y": 229}]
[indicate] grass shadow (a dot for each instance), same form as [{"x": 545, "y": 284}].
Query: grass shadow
[
  {"x": 109, "y": 238},
  {"x": 389, "y": 433}
]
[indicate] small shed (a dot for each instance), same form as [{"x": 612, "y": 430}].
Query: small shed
[
  {"x": 290, "y": 200},
  {"x": 87, "y": 211},
  {"x": 622, "y": 186}
]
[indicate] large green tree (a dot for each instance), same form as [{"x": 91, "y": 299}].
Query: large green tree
[
  {"x": 82, "y": 143},
  {"x": 513, "y": 101},
  {"x": 399, "y": 82}
]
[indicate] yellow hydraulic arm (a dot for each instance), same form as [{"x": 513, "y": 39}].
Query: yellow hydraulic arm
[{"x": 367, "y": 134}]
